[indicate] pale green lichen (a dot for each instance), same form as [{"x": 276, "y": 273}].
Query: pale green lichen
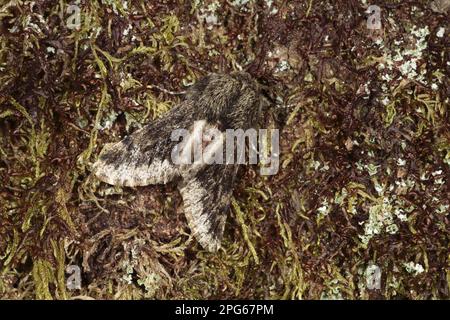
[{"x": 414, "y": 268}]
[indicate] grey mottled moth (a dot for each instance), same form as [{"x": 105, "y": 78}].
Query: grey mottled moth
[{"x": 222, "y": 102}]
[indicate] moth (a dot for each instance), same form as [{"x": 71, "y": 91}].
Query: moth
[{"x": 217, "y": 101}]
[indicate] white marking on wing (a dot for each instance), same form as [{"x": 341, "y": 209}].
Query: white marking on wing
[{"x": 129, "y": 175}]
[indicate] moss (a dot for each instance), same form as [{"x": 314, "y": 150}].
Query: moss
[{"x": 365, "y": 151}]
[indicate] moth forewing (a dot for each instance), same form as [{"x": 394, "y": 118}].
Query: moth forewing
[{"x": 123, "y": 164}]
